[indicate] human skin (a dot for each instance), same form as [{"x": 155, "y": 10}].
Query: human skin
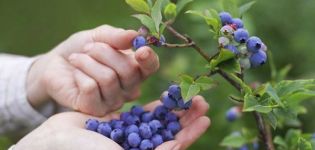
[
  {"x": 93, "y": 71},
  {"x": 65, "y": 131}
]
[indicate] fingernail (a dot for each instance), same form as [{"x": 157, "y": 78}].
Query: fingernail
[
  {"x": 73, "y": 56},
  {"x": 144, "y": 55},
  {"x": 87, "y": 47}
]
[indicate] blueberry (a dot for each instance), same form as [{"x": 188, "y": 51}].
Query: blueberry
[
  {"x": 313, "y": 136},
  {"x": 131, "y": 129},
  {"x": 245, "y": 63},
  {"x": 155, "y": 125},
  {"x": 146, "y": 145},
  {"x": 227, "y": 30},
  {"x": 244, "y": 147},
  {"x": 226, "y": 18},
  {"x": 174, "y": 92},
  {"x": 241, "y": 35},
  {"x": 125, "y": 145},
  {"x": 232, "y": 114},
  {"x": 243, "y": 49},
  {"x": 157, "y": 140},
  {"x": 104, "y": 128},
  {"x": 238, "y": 22},
  {"x": 188, "y": 104},
  {"x": 223, "y": 41},
  {"x": 254, "y": 44},
  {"x": 232, "y": 48},
  {"x": 162, "y": 40},
  {"x": 147, "y": 117},
  {"x": 174, "y": 127},
  {"x": 160, "y": 112},
  {"x": 169, "y": 102},
  {"x": 117, "y": 135},
  {"x": 132, "y": 119},
  {"x": 256, "y": 145},
  {"x": 167, "y": 135},
  {"x": 124, "y": 116},
  {"x": 137, "y": 110},
  {"x": 145, "y": 131},
  {"x": 134, "y": 139},
  {"x": 134, "y": 149},
  {"x": 171, "y": 117},
  {"x": 258, "y": 59},
  {"x": 139, "y": 41},
  {"x": 118, "y": 124},
  {"x": 91, "y": 124}
]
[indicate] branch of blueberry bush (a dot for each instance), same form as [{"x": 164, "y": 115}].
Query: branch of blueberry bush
[{"x": 274, "y": 104}]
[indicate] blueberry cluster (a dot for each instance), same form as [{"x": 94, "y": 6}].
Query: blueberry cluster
[
  {"x": 143, "y": 130},
  {"x": 233, "y": 113},
  {"x": 145, "y": 39},
  {"x": 234, "y": 37}
]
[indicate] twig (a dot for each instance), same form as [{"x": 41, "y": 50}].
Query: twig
[
  {"x": 168, "y": 45},
  {"x": 265, "y": 136}
]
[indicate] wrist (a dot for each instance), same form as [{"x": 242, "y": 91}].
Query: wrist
[{"x": 36, "y": 92}]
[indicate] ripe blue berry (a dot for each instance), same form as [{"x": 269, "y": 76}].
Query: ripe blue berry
[
  {"x": 169, "y": 102},
  {"x": 91, "y": 124},
  {"x": 137, "y": 110},
  {"x": 131, "y": 129},
  {"x": 174, "y": 127},
  {"x": 125, "y": 145},
  {"x": 145, "y": 131},
  {"x": 160, "y": 112},
  {"x": 241, "y": 35},
  {"x": 147, "y": 117},
  {"x": 256, "y": 145},
  {"x": 226, "y": 18},
  {"x": 139, "y": 41},
  {"x": 167, "y": 135},
  {"x": 104, "y": 128},
  {"x": 233, "y": 113},
  {"x": 124, "y": 116},
  {"x": 134, "y": 139},
  {"x": 171, "y": 117},
  {"x": 134, "y": 149},
  {"x": 253, "y": 44},
  {"x": 146, "y": 145},
  {"x": 238, "y": 22},
  {"x": 132, "y": 119},
  {"x": 157, "y": 140},
  {"x": 155, "y": 125},
  {"x": 117, "y": 135},
  {"x": 258, "y": 59},
  {"x": 174, "y": 92},
  {"x": 227, "y": 30},
  {"x": 118, "y": 124},
  {"x": 244, "y": 147},
  {"x": 188, "y": 104},
  {"x": 232, "y": 48}
]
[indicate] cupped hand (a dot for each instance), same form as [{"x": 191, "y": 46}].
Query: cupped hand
[
  {"x": 65, "y": 131},
  {"x": 93, "y": 71}
]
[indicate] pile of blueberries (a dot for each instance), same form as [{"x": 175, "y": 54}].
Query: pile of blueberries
[
  {"x": 145, "y": 39},
  {"x": 234, "y": 37},
  {"x": 144, "y": 130}
]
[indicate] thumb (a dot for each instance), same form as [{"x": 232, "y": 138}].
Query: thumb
[{"x": 148, "y": 61}]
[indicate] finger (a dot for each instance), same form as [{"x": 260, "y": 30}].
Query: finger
[
  {"x": 148, "y": 61},
  {"x": 105, "y": 77},
  {"x": 199, "y": 108},
  {"x": 126, "y": 68},
  {"x": 115, "y": 37},
  {"x": 89, "y": 98},
  {"x": 192, "y": 132}
]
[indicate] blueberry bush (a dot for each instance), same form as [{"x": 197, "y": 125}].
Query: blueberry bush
[{"x": 275, "y": 104}]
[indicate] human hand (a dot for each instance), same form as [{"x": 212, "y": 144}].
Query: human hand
[
  {"x": 93, "y": 71},
  {"x": 65, "y": 131}
]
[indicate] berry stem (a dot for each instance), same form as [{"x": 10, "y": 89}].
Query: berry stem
[
  {"x": 264, "y": 131},
  {"x": 168, "y": 45}
]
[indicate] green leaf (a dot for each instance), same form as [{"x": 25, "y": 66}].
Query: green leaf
[
  {"x": 146, "y": 21},
  {"x": 280, "y": 141},
  {"x": 273, "y": 94},
  {"x": 170, "y": 11},
  {"x": 233, "y": 140},
  {"x": 210, "y": 17},
  {"x": 286, "y": 87},
  {"x": 186, "y": 78},
  {"x": 139, "y": 5},
  {"x": 181, "y": 4},
  {"x": 231, "y": 6},
  {"x": 189, "y": 90},
  {"x": 156, "y": 14},
  {"x": 204, "y": 82},
  {"x": 252, "y": 104},
  {"x": 303, "y": 144},
  {"x": 231, "y": 66},
  {"x": 150, "y": 3},
  {"x": 245, "y": 7},
  {"x": 272, "y": 119},
  {"x": 224, "y": 55},
  {"x": 282, "y": 74}
]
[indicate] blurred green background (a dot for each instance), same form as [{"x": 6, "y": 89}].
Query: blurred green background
[{"x": 35, "y": 26}]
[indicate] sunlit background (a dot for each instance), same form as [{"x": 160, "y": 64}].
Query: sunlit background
[{"x": 288, "y": 28}]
